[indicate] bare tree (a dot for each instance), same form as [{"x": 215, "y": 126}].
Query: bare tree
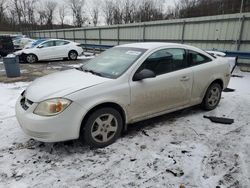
[
  {"x": 117, "y": 13},
  {"x": 129, "y": 11},
  {"x": 42, "y": 17},
  {"x": 17, "y": 11},
  {"x": 150, "y": 10},
  {"x": 2, "y": 10},
  {"x": 30, "y": 11},
  {"x": 22, "y": 13},
  {"x": 77, "y": 12},
  {"x": 186, "y": 8},
  {"x": 94, "y": 12},
  {"x": 50, "y": 7},
  {"x": 62, "y": 13},
  {"x": 108, "y": 11}
]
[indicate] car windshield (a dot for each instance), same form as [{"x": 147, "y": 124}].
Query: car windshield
[
  {"x": 37, "y": 42},
  {"x": 113, "y": 62}
]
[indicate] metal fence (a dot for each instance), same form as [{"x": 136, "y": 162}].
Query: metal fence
[
  {"x": 223, "y": 32},
  {"x": 10, "y": 33}
]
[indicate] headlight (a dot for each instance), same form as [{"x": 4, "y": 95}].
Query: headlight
[
  {"x": 18, "y": 52},
  {"x": 52, "y": 107}
]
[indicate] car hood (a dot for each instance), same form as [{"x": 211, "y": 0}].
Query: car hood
[
  {"x": 25, "y": 51},
  {"x": 61, "y": 84}
]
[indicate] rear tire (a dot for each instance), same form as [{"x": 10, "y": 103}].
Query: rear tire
[
  {"x": 73, "y": 55},
  {"x": 212, "y": 97},
  {"x": 31, "y": 58},
  {"x": 102, "y": 127}
]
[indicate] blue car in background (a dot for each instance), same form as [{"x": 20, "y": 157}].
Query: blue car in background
[{"x": 36, "y": 42}]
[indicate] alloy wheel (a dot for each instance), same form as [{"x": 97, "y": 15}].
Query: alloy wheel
[
  {"x": 214, "y": 96},
  {"x": 104, "y": 128},
  {"x": 31, "y": 58},
  {"x": 73, "y": 55}
]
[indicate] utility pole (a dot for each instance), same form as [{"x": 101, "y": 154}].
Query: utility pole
[
  {"x": 241, "y": 22},
  {"x": 241, "y": 6}
]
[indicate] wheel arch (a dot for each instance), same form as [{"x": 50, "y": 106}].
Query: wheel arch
[
  {"x": 217, "y": 80},
  {"x": 114, "y": 105},
  {"x": 26, "y": 54},
  {"x": 73, "y": 50}
]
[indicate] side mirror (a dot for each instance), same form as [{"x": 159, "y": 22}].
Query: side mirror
[
  {"x": 143, "y": 74},
  {"x": 40, "y": 46}
]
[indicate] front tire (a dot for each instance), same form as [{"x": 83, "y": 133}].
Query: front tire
[
  {"x": 31, "y": 58},
  {"x": 102, "y": 127},
  {"x": 212, "y": 97},
  {"x": 73, "y": 55}
]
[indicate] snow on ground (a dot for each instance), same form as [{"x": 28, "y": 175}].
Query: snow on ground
[
  {"x": 86, "y": 57},
  {"x": 174, "y": 149}
]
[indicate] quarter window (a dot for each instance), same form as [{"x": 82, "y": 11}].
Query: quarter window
[
  {"x": 166, "y": 60},
  {"x": 195, "y": 58}
]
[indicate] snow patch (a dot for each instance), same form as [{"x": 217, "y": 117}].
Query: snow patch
[{"x": 86, "y": 57}]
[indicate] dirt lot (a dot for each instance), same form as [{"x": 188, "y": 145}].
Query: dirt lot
[
  {"x": 31, "y": 71},
  {"x": 180, "y": 148}
]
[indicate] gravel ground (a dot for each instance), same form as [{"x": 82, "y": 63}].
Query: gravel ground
[
  {"x": 180, "y": 148},
  {"x": 31, "y": 71}
]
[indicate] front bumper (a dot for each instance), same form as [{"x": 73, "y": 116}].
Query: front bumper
[{"x": 61, "y": 127}]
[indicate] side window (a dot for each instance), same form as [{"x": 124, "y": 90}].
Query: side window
[
  {"x": 166, "y": 60},
  {"x": 195, "y": 58},
  {"x": 61, "y": 42},
  {"x": 48, "y": 44}
]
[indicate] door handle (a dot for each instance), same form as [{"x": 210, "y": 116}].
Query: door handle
[{"x": 184, "y": 78}]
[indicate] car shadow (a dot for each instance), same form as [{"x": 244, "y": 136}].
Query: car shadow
[{"x": 162, "y": 120}]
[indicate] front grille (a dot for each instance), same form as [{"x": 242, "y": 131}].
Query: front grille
[{"x": 25, "y": 103}]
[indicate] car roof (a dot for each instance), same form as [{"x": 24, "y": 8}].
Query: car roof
[
  {"x": 154, "y": 45},
  {"x": 57, "y": 40}
]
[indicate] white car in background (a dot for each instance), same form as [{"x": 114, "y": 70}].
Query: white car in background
[
  {"x": 51, "y": 49},
  {"x": 122, "y": 85},
  {"x": 20, "y": 43}
]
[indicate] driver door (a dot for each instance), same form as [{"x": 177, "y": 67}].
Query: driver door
[
  {"x": 47, "y": 51},
  {"x": 171, "y": 88}
]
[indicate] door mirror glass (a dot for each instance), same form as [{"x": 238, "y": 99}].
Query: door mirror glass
[{"x": 143, "y": 74}]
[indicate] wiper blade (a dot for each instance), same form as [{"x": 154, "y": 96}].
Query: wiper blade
[
  {"x": 79, "y": 68},
  {"x": 96, "y": 73},
  {"x": 91, "y": 71}
]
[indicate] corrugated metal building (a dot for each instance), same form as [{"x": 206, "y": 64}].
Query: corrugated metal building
[{"x": 223, "y": 32}]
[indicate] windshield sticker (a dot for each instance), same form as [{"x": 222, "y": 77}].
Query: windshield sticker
[{"x": 133, "y": 52}]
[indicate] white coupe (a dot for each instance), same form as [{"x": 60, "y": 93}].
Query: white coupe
[
  {"x": 51, "y": 49},
  {"x": 123, "y": 85}
]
